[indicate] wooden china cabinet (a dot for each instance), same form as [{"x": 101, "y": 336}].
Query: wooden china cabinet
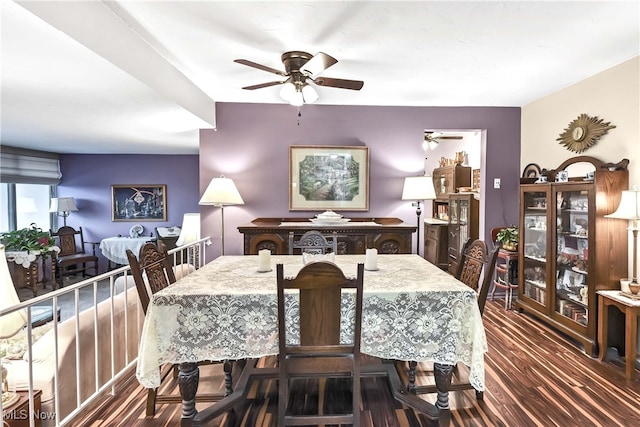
[
  {"x": 446, "y": 181},
  {"x": 568, "y": 250}
]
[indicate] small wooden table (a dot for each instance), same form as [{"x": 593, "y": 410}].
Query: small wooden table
[
  {"x": 631, "y": 309},
  {"x": 17, "y": 415}
]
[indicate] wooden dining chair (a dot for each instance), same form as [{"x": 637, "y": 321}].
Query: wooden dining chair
[
  {"x": 313, "y": 242},
  {"x": 319, "y": 353},
  {"x": 74, "y": 256},
  {"x": 152, "y": 271},
  {"x": 474, "y": 259}
]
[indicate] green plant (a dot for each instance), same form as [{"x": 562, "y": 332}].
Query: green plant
[
  {"x": 508, "y": 236},
  {"x": 29, "y": 239}
]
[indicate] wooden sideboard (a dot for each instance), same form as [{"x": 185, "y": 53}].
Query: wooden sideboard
[{"x": 387, "y": 235}]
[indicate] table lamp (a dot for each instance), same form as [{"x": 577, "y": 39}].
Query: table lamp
[
  {"x": 629, "y": 209},
  {"x": 11, "y": 323},
  {"x": 221, "y": 192},
  {"x": 418, "y": 188},
  {"x": 63, "y": 205}
]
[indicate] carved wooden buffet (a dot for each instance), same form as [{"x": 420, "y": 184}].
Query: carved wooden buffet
[{"x": 387, "y": 235}]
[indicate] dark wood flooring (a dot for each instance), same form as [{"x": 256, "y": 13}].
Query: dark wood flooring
[{"x": 534, "y": 377}]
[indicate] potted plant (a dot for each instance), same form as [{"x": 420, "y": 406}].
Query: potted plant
[
  {"x": 30, "y": 239},
  {"x": 509, "y": 238}
]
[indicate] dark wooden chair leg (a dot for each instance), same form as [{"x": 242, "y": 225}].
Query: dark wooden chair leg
[{"x": 411, "y": 386}]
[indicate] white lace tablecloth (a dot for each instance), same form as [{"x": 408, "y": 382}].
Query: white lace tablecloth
[
  {"x": 227, "y": 310},
  {"x": 115, "y": 248}
]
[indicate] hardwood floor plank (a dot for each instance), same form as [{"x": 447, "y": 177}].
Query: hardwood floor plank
[{"x": 534, "y": 377}]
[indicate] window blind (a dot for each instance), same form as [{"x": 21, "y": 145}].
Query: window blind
[{"x": 22, "y": 166}]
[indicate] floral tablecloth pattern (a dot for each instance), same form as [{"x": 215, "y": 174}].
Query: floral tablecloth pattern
[{"x": 227, "y": 310}]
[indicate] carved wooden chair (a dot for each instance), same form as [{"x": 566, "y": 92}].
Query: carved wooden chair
[
  {"x": 73, "y": 257},
  {"x": 313, "y": 242},
  {"x": 152, "y": 271},
  {"x": 474, "y": 259},
  {"x": 319, "y": 353}
]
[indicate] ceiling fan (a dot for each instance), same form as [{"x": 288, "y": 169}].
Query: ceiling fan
[
  {"x": 301, "y": 68},
  {"x": 432, "y": 138}
]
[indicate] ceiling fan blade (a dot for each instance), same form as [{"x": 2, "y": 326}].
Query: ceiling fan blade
[
  {"x": 259, "y": 66},
  {"x": 261, "y": 85},
  {"x": 339, "y": 83},
  {"x": 449, "y": 137},
  {"x": 320, "y": 62}
]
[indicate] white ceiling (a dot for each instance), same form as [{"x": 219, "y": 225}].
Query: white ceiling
[{"x": 142, "y": 76}]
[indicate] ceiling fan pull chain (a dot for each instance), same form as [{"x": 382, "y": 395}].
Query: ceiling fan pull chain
[{"x": 299, "y": 115}]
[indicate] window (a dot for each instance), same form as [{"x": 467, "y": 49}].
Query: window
[{"x": 24, "y": 204}]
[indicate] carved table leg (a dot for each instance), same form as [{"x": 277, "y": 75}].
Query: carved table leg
[
  {"x": 188, "y": 379},
  {"x": 443, "y": 375},
  {"x": 411, "y": 386}
]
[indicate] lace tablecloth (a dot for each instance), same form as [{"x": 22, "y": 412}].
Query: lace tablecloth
[
  {"x": 114, "y": 248},
  {"x": 227, "y": 310}
]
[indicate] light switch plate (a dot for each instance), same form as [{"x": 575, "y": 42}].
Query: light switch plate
[{"x": 496, "y": 182}]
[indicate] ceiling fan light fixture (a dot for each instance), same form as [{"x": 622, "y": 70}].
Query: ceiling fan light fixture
[
  {"x": 287, "y": 91},
  {"x": 309, "y": 93},
  {"x": 297, "y": 99}
]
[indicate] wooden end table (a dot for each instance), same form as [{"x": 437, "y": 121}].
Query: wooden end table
[
  {"x": 17, "y": 415},
  {"x": 631, "y": 309}
]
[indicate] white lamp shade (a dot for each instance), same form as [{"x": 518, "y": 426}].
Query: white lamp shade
[
  {"x": 10, "y": 324},
  {"x": 629, "y": 207},
  {"x": 63, "y": 204},
  {"x": 221, "y": 192},
  {"x": 418, "y": 188},
  {"x": 190, "y": 231}
]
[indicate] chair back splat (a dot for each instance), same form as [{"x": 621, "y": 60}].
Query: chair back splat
[
  {"x": 313, "y": 242},
  {"x": 156, "y": 265},
  {"x": 320, "y": 288},
  {"x": 474, "y": 258}
]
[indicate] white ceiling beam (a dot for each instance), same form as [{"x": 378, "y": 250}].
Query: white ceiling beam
[{"x": 97, "y": 26}]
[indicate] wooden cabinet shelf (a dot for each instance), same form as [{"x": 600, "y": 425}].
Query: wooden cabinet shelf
[{"x": 569, "y": 250}]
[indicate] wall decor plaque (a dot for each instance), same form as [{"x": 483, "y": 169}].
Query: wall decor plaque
[{"x": 583, "y": 132}]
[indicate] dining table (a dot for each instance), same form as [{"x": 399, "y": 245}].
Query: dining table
[
  {"x": 115, "y": 248},
  {"x": 227, "y": 311}
]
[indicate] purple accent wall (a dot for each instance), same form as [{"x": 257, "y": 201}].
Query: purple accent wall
[
  {"x": 251, "y": 146},
  {"x": 88, "y": 178}
]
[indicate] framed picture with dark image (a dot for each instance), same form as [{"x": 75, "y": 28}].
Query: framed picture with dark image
[{"x": 142, "y": 202}]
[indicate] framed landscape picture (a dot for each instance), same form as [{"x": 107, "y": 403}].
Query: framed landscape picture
[
  {"x": 325, "y": 177},
  {"x": 139, "y": 202}
]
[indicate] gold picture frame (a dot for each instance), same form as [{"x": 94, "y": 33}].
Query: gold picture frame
[{"x": 326, "y": 177}]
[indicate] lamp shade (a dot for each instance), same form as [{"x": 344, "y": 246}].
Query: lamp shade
[
  {"x": 190, "y": 231},
  {"x": 63, "y": 204},
  {"x": 418, "y": 188},
  {"x": 629, "y": 207},
  {"x": 221, "y": 192},
  {"x": 10, "y": 324}
]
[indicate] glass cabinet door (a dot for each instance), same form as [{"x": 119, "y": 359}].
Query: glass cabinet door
[
  {"x": 534, "y": 241},
  {"x": 463, "y": 233},
  {"x": 572, "y": 222}
]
